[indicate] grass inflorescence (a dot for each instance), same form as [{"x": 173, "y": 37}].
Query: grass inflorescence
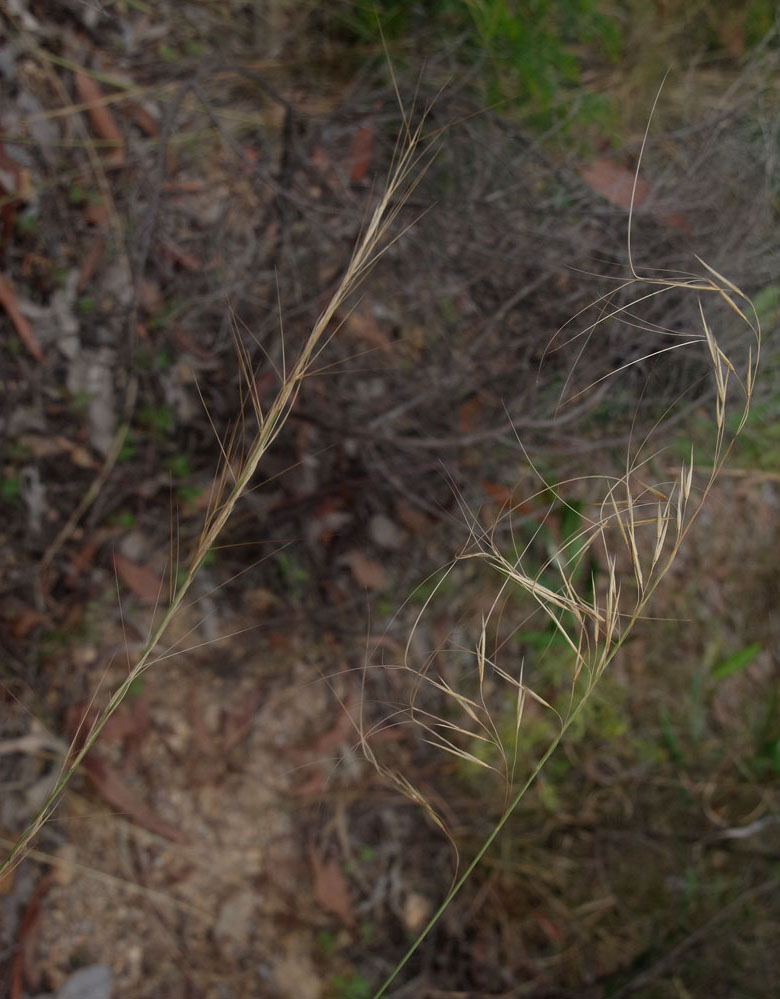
[
  {"x": 590, "y": 591},
  {"x": 238, "y": 470}
]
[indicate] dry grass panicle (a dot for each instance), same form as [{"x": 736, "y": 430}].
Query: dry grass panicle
[
  {"x": 238, "y": 470},
  {"x": 631, "y": 538}
]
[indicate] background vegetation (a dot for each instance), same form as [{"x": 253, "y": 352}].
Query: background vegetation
[{"x": 176, "y": 180}]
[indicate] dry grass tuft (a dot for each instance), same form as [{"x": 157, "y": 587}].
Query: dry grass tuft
[
  {"x": 412, "y": 156},
  {"x": 634, "y": 535}
]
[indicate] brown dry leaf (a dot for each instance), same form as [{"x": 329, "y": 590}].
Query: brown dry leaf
[
  {"x": 119, "y": 796},
  {"x": 360, "y": 154},
  {"x": 91, "y": 261},
  {"x": 79, "y": 455},
  {"x": 38, "y": 446},
  {"x": 328, "y": 518},
  {"x": 187, "y": 185},
  {"x": 139, "y": 579},
  {"x": 331, "y": 891},
  {"x": 614, "y": 182},
  {"x": 46, "y": 447},
  {"x": 730, "y": 26},
  {"x": 310, "y": 787},
  {"x": 320, "y": 160},
  {"x": 23, "y": 622},
  {"x": 361, "y": 325},
  {"x": 185, "y": 341},
  {"x": 674, "y": 220},
  {"x": 550, "y": 929},
  {"x": 341, "y": 730},
  {"x": 81, "y": 560},
  {"x": 417, "y": 910},
  {"x": 497, "y": 491},
  {"x": 183, "y": 258},
  {"x": 96, "y": 212},
  {"x": 367, "y": 571},
  {"x": 469, "y": 414},
  {"x": 137, "y": 113},
  {"x": 150, "y": 296},
  {"x": 260, "y": 600},
  {"x": 411, "y": 517},
  {"x": 237, "y": 724},
  {"x": 22, "y": 185},
  {"x": 130, "y": 723},
  {"x": 21, "y": 325},
  {"x": 279, "y": 641},
  {"x": 24, "y": 967},
  {"x": 14, "y": 181},
  {"x": 63, "y": 870},
  {"x": 7, "y": 881},
  {"x": 201, "y": 735},
  {"x": 100, "y": 116}
]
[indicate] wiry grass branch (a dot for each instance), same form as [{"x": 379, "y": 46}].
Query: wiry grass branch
[
  {"x": 413, "y": 155},
  {"x": 636, "y": 523}
]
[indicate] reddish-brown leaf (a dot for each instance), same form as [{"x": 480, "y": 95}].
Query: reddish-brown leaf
[
  {"x": 141, "y": 580},
  {"x": 237, "y": 723},
  {"x": 328, "y": 517},
  {"x": 340, "y": 731},
  {"x": 150, "y": 296},
  {"x": 310, "y": 787},
  {"x": 78, "y": 454},
  {"x": 614, "y": 182},
  {"x": 184, "y": 186},
  {"x": 498, "y": 491},
  {"x": 550, "y": 929},
  {"x": 100, "y": 116},
  {"x": 202, "y": 739},
  {"x": 360, "y": 154},
  {"x": 674, "y": 220},
  {"x": 138, "y": 114},
  {"x": 411, "y": 517},
  {"x": 91, "y": 260},
  {"x": 96, "y": 212},
  {"x": 23, "y": 622},
  {"x": 7, "y": 881},
  {"x": 250, "y": 159},
  {"x": 279, "y": 641},
  {"x": 20, "y": 187},
  {"x": 361, "y": 325},
  {"x": 129, "y": 725},
  {"x": 81, "y": 560},
  {"x": 331, "y": 891},
  {"x": 22, "y": 967},
  {"x": 183, "y": 258},
  {"x": 185, "y": 341},
  {"x": 21, "y": 325},
  {"x": 119, "y": 796},
  {"x": 367, "y": 571},
  {"x": 469, "y": 413},
  {"x": 730, "y": 26},
  {"x": 79, "y": 721}
]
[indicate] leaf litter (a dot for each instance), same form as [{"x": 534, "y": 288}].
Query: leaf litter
[{"x": 219, "y": 775}]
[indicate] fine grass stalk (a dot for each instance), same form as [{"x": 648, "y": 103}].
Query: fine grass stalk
[{"x": 413, "y": 155}]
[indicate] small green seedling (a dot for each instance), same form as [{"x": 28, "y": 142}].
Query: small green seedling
[{"x": 739, "y": 661}]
